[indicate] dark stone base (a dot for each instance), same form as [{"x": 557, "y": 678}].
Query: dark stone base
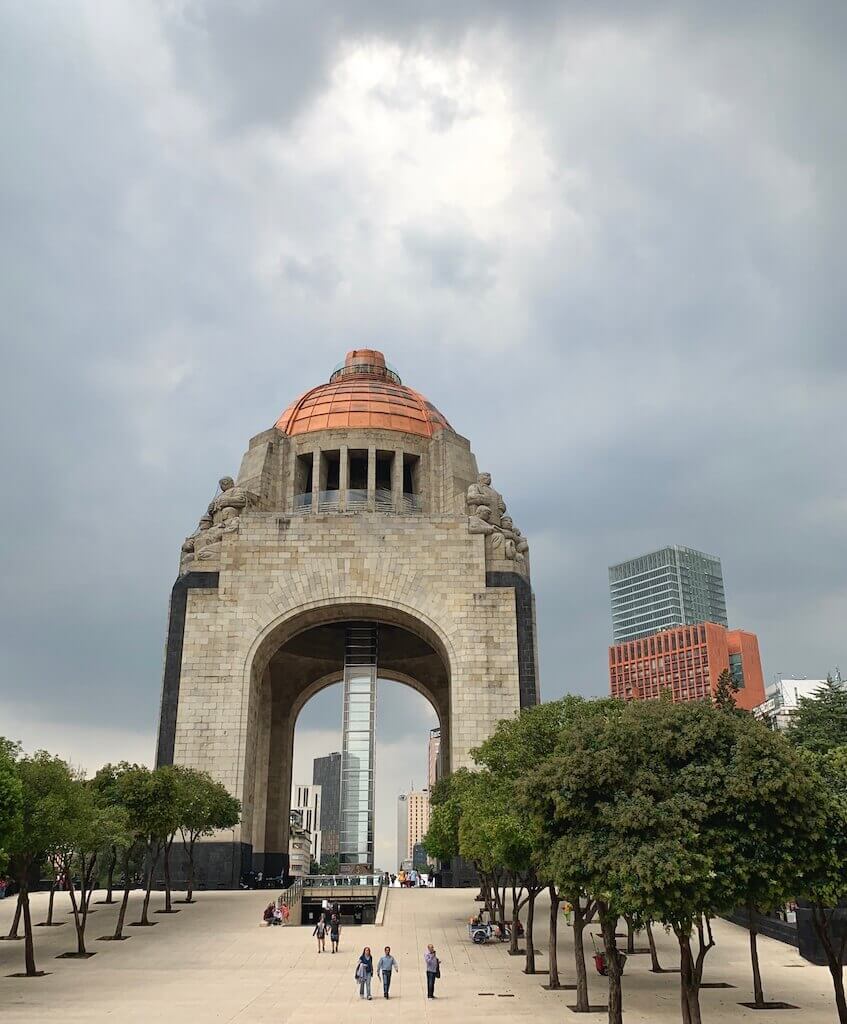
[
  {"x": 112, "y": 938},
  {"x": 53, "y": 924},
  {"x": 593, "y": 1008},
  {"x": 716, "y": 984},
  {"x": 23, "y": 974},
  {"x": 217, "y": 865},
  {"x": 559, "y": 988},
  {"x": 808, "y": 941},
  {"x": 769, "y": 926},
  {"x": 75, "y": 956},
  {"x": 459, "y": 874}
]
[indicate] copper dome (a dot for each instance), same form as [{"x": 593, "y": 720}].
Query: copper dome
[{"x": 363, "y": 392}]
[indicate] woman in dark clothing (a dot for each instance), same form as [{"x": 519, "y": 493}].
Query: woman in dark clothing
[
  {"x": 334, "y": 930},
  {"x": 365, "y": 972}
]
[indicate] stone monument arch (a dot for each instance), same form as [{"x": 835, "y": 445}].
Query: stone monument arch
[{"x": 358, "y": 537}]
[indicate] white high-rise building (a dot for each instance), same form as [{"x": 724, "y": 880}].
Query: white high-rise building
[
  {"x": 306, "y": 799},
  {"x": 403, "y": 852}
]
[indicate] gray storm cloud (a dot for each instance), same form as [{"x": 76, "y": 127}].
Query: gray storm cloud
[{"x": 606, "y": 245}]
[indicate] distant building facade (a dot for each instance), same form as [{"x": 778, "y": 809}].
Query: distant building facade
[
  {"x": 402, "y": 829},
  {"x": 434, "y": 757},
  {"x": 674, "y": 586},
  {"x": 782, "y": 700},
  {"x": 326, "y": 773},
  {"x": 299, "y": 846},
  {"x": 307, "y": 800},
  {"x": 687, "y": 661},
  {"x": 418, "y": 801}
]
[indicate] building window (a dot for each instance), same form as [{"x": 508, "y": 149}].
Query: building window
[{"x": 736, "y": 670}]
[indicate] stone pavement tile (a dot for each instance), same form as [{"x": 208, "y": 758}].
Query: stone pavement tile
[{"x": 215, "y": 962}]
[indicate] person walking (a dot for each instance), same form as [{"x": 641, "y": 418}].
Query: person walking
[
  {"x": 320, "y": 933},
  {"x": 386, "y": 965},
  {"x": 364, "y": 972},
  {"x": 433, "y": 970},
  {"x": 334, "y": 932}
]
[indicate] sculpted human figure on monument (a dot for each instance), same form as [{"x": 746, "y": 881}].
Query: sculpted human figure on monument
[
  {"x": 230, "y": 502},
  {"x": 482, "y": 495},
  {"x": 480, "y": 521},
  {"x": 222, "y": 516}
]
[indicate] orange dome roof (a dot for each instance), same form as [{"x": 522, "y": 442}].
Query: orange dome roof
[{"x": 363, "y": 392}]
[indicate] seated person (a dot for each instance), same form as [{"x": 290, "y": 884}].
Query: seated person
[
  {"x": 277, "y": 916},
  {"x": 268, "y": 914}
]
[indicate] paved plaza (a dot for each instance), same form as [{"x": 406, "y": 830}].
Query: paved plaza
[{"x": 215, "y": 962}]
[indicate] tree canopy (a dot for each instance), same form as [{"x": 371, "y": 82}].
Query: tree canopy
[{"x": 819, "y": 723}]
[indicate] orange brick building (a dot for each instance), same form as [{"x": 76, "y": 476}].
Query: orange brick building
[{"x": 687, "y": 660}]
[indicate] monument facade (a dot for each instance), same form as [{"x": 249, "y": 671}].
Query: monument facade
[{"x": 361, "y": 508}]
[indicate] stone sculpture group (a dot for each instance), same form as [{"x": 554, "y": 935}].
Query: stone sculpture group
[
  {"x": 222, "y": 516},
  {"x": 487, "y": 515}
]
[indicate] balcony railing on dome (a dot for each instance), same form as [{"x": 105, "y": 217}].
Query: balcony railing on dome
[
  {"x": 383, "y": 501},
  {"x": 328, "y": 501},
  {"x": 357, "y": 500},
  {"x": 303, "y": 502},
  {"x": 342, "y": 371}
]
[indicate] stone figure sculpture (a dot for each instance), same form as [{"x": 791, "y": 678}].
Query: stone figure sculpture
[
  {"x": 487, "y": 516},
  {"x": 222, "y": 516},
  {"x": 482, "y": 495}
]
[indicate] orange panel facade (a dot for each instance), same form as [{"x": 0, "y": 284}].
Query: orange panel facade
[{"x": 686, "y": 661}]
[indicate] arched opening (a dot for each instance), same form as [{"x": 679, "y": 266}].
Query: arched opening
[
  {"x": 296, "y": 659},
  {"x": 404, "y": 721}
]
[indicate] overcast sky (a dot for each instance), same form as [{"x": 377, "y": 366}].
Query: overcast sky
[{"x": 606, "y": 240}]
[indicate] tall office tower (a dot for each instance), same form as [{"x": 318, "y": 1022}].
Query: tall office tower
[
  {"x": 433, "y": 757},
  {"x": 306, "y": 800},
  {"x": 676, "y": 586},
  {"x": 356, "y": 839},
  {"x": 403, "y": 851},
  {"x": 418, "y": 801},
  {"x": 326, "y": 773}
]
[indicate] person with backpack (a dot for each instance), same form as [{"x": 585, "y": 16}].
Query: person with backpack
[
  {"x": 364, "y": 972},
  {"x": 433, "y": 970},
  {"x": 386, "y": 965}
]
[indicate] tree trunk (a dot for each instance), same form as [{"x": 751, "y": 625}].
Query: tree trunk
[
  {"x": 655, "y": 966},
  {"x": 50, "y": 902},
  {"x": 189, "y": 896},
  {"x": 580, "y": 920},
  {"x": 530, "y": 919},
  {"x": 834, "y": 957},
  {"x": 630, "y": 935},
  {"x": 688, "y": 989},
  {"x": 608, "y": 923},
  {"x": 513, "y": 943},
  {"x": 16, "y": 920},
  {"x": 758, "y": 992},
  {"x": 79, "y": 924},
  {"x": 119, "y": 927},
  {"x": 553, "y": 952},
  {"x": 113, "y": 860},
  {"x": 167, "y": 866},
  {"x": 151, "y": 863},
  {"x": 29, "y": 946}
]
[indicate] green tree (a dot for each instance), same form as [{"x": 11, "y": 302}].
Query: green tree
[
  {"x": 725, "y": 691},
  {"x": 125, "y": 850},
  {"x": 11, "y": 797},
  {"x": 93, "y": 828},
  {"x": 46, "y": 783},
  {"x": 820, "y": 722},
  {"x": 824, "y": 882},
  {"x": 203, "y": 807},
  {"x": 665, "y": 807},
  {"x": 150, "y": 801},
  {"x": 513, "y": 752}
]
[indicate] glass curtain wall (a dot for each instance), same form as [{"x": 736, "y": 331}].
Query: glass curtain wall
[{"x": 356, "y": 841}]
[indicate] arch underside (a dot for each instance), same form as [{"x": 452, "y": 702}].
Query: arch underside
[{"x": 293, "y": 662}]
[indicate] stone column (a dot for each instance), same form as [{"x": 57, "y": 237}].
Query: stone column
[
  {"x": 371, "y": 479},
  {"x": 343, "y": 478},
  {"x": 397, "y": 480},
  {"x": 316, "y": 478}
]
